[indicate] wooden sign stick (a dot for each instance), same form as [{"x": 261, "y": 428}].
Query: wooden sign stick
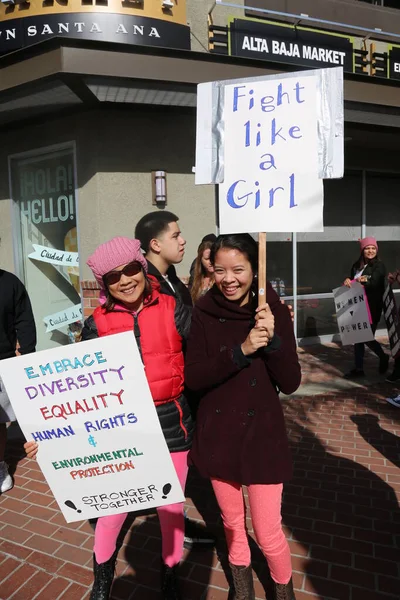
[{"x": 262, "y": 267}]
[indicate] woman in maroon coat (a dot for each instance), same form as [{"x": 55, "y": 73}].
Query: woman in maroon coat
[{"x": 240, "y": 357}]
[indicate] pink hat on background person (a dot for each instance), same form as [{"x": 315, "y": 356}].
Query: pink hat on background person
[
  {"x": 110, "y": 255},
  {"x": 368, "y": 241}
]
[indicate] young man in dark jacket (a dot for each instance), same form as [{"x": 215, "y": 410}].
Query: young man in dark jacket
[
  {"x": 17, "y": 324},
  {"x": 162, "y": 242}
]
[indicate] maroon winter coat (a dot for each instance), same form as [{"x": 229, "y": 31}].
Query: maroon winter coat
[{"x": 240, "y": 432}]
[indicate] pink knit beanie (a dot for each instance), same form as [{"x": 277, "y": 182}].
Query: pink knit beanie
[
  {"x": 368, "y": 241},
  {"x": 110, "y": 255}
]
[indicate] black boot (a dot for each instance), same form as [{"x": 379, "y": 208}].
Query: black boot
[
  {"x": 103, "y": 578},
  {"x": 395, "y": 376},
  {"x": 170, "y": 583},
  {"x": 284, "y": 591},
  {"x": 383, "y": 364},
  {"x": 243, "y": 582}
]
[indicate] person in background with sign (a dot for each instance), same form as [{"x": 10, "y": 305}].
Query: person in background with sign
[
  {"x": 17, "y": 323},
  {"x": 133, "y": 302},
  {"x": 203, "y": 272},
  {"x": 395, "y": 375},
  {"x": 370, "y": 271},
  {"x": 239, "y": 357}
]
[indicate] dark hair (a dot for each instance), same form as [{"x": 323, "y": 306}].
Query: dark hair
[
  {"x": 210, "y": 237},
  {"x": 151, "y": 225},
  {"x": 110, "y": 300},
  {"x": 361, "y": 262},
  {"x": 243, "y": 242},
  {"x": 199, "y": 271}
]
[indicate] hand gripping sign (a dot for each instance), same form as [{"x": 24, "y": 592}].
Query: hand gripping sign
[{"x": 89, "y": 407}]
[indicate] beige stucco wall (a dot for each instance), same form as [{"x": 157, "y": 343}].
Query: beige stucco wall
[{"x": 116, "y": 152}]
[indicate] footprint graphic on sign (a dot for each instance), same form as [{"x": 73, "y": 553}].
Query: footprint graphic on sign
[
  {"x": 166, "y": 490},
  {"x": 70, "y": 504}
]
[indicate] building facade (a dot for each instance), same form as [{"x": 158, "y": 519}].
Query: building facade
[{"x": 96, "y": 97}]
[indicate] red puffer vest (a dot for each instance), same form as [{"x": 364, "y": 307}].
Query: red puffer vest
[{"x": 159, "y": 341}]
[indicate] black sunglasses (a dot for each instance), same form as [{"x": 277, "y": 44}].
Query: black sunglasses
[{"x": 113, "y": 277}]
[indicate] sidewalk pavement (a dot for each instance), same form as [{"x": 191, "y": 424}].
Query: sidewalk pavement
[{"x": 340, "y": 512}]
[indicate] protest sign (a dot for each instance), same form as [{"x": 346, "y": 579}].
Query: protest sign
[
  {"x": 271, "y": 178},
  {"x": 352, "y": 314},
  {"x": 89, "y": 406},
  {"x": 269, "y": 142},
  {"x": 211, "y": 127},
  {"x": 392, "y": 320}
]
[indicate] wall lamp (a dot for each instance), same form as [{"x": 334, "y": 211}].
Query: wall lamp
[
  {"x": 159, "y": 188},
  {"x": 167, "y": 4}
]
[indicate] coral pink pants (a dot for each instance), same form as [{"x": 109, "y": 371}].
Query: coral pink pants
[
  {"x": 171, "y": 522},
  {"x": 265, "y": 507}
]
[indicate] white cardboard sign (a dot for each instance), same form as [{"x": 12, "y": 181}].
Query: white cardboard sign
[
  {"x": 210, "y": 126},
  {"x": 352, "y": 314},
  {"x": 271, "y": 180},
  {"x": 89, "y": 406}
]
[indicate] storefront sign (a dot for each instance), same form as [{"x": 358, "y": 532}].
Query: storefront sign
[
  {"x": 392, "y": 320},
  {"x": 394, "y": 62},
  {"x": 102, "y": 27},
  {"x": 89, "y": 407},
  {"x": 271, "y": 157},
  {"x": 287, "y": 44},
  {"x": 352, "y": 314}
]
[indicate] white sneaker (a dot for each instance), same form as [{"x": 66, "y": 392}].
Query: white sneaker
[
  {"x": 395, "y": 401},
  {"x": 6, "y": 482}
]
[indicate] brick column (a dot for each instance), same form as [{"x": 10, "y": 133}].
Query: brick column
[{"x": 90, "y": 297}]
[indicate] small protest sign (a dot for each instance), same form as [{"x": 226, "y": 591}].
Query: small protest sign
[
  {"x": 392, "y": 320},
  {"x": 352, "y": 314},
  {"x": 271, "y": 178},
  {"x": 89, "y": 406}
]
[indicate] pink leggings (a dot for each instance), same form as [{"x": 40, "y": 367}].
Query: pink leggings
[
  {"x": 171, "y": 522},
  {"x": 265, "y": 507}
]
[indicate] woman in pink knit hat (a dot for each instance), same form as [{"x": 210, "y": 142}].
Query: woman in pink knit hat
[
  {"x": 370, "y": 271},
  {"x": 131, "y": 301}
]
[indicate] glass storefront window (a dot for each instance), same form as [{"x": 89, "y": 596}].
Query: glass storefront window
[
  {"x": 43, "y": 190},
  {"x": 316, "y": 317},
  {"x": 382, "y": 206},
  {"x": 323, "y": 266},
  {"x": 280, "y": 267},
  {"x": 325, "y": 259}
]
